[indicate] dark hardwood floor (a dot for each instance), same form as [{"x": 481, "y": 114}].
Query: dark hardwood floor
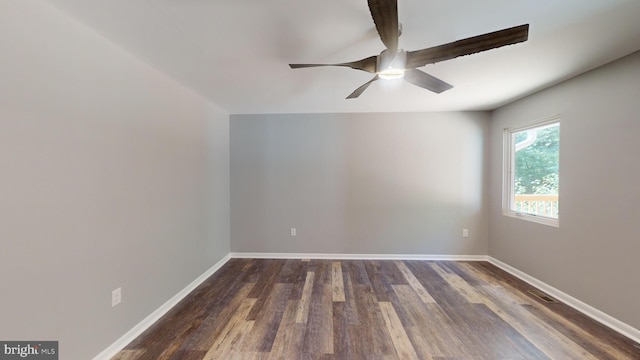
[{"x": 353, "y": 309}]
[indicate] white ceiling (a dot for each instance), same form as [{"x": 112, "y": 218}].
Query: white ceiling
[{"x": 236, "y": 52}]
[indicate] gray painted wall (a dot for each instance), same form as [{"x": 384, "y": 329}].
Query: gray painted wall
[
  {"x": 593, "y": 254},
  {"x": 403, "y": 183},
  {"x": 112, "y": 175}
]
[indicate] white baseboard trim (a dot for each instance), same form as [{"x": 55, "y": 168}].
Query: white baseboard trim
[
  {"x": 143, "y": 325},
  {"x": 599, "y": 316},
  {"x": 259, "y": 255}
]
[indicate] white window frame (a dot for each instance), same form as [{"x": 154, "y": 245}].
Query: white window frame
[{"x": 508, "y": 170}]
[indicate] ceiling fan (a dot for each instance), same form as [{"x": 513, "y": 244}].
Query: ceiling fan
[{"x": 394, "y": 63}]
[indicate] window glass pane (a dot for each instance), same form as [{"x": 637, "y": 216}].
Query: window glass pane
[{"x": 535, "y": 170}]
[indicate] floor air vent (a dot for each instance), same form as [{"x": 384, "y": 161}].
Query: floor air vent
[{"x": 542, "y": 296}]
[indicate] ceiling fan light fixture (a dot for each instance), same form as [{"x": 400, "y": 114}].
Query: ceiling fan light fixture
[
  {"x": 391, "y": 73},
  {"x": 393, "y": 69}
]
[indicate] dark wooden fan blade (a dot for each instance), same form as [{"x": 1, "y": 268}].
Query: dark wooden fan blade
[
  {"x": 367, "y": 64},
  {"x": 362, "y": 88},
  {"x": 468, "y": 46},
  {"x": 424, "y": 80},
  {"x": 385, "y": 16}
]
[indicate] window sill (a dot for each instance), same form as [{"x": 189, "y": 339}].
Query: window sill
[{"x": 533, "y": 218}]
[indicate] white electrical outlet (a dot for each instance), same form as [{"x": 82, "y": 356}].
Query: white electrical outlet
[
  {"x": 465, "y": 232},
  {"x": 116, "y": 297},
  {"x": 294, "y": 232}
]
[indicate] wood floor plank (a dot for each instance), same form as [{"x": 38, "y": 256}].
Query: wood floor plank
[
  {"x": 516, "y": 295},
  {"x": 546, "y": 338},
  {"x": 232, "y": 336},
  {"x": 457, "y": 267},
  {"x": 358, "y": 273},
  {"x": 459, "y": 284},
  {"x": 268, "y": 277},
  {"x": 374, "y": 338},
  {"x": 290, "y": 336},
  {"x": 481, "y": 338},
  {"x": 426, "y": 275},
  {"x": 188, "y": 355},
  {"x": 519, "y": 288},
  {"x": 268, "y": 319},
  {"x": 487, "y": 313},
  {"x": 197, "y": 305},
  {"x": 184, "y": 322},
  {"x": 361, "y": 346},
  {"x": 441, "y": 340},
  {"x": 128, "y": 355},
  {"x": 383, "y": 275},
  {"x": 341, "y": 336},
  {"x": 319, "y": 330},
  {"x": 302, "y": 311},
  {"x": 379, "y": 284},
  {"x": 326, "y": 314},
  {"x": 298, "y": 280},
  {"x": 399, "y": 336},
  {"x": 261, "y": 309},
  {"x": 322, "y": 268},
  {"x": 254, "y": 269},
  {"x": 218, "y": 317},
  {"x": 583, "y": 337},
  {"x": 425, "y": 344},
  {"x": 390, "y": 271},
  {"x": 484, "y": 318},
  {"x": 583, "y": 333},
  {"x": 351, "y": 310},
  {"x": 337, "y": 282},
  {"x": 290, "y": 271},
  {"x": 415, "y": 284}
]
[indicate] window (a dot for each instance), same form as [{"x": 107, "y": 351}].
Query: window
[{"x": 531, "y": 177}]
